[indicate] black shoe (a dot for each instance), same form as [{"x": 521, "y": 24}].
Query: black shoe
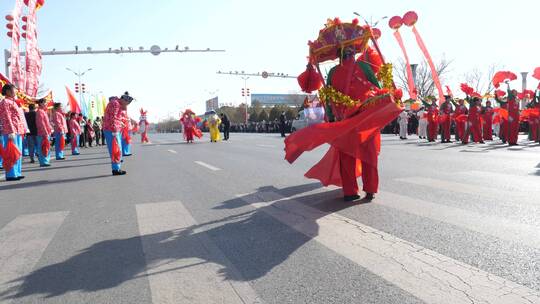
[
  {"x": 351, "y": 198},
  {"x": 11, "y": 179},
  {"x": 126, "y": 154},
  {"x": 369, "y": 196},
  {"x": 45, "y": 165},
  {"x": 62, "y": 158},
  {"x": 32, "y": 161},
  {"x": 20, "y": 177},
  {"x": 118, "y": 172}
]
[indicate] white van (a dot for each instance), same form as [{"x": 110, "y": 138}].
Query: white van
[{"x": 308, "y": 117}]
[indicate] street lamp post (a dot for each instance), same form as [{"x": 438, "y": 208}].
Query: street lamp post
[
  {"x": 79, "y": 75},
  {"x": 245, "y": 96}
]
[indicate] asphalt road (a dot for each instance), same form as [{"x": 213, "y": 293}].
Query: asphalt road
[{"x": 232, "y": 222}]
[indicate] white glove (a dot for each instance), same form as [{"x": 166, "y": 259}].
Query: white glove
[{"x": 11, "y": 136}]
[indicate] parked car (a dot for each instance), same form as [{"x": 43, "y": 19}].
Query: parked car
[{"x": 308, "y": 117}]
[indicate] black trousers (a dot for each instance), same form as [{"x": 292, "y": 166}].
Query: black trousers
[{"x": 226, "y": 130}]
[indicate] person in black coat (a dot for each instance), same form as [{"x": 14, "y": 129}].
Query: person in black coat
[
  {"x": 226, "y": 126},
  {"x": 31, "y": 139},
  {"x": 282, "y": 124}
]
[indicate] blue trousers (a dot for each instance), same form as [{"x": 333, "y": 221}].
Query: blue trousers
[
  {"x": 58, "y": 152},
  {"x": 31, "y": 143},
  {"x": 2, "y": 145},
  {"x": 108, "y": 139},
  {"x": 43, "y": 159},
  {"x": 75, "y": 145},
  {"x": 16, "y": 171},
  {"x": 126, "y": 148},
  {"x": 24, "y": 150}
]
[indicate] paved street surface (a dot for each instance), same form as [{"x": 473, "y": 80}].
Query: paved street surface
[{"x": 232, "y": 222}]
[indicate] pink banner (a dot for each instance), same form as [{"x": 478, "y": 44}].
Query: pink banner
[
  {"x": 33, "y": 55},
  {"x": 16, "y": 73},
  {"x": 410, "y": 79},
  {"x": 434, "y": 74}
]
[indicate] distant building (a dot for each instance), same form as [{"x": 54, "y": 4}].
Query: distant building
[
  {"x": 270, "y": 100},
  {"x": 212, "y": 104}
]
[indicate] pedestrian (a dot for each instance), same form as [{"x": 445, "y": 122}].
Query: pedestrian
[
  {"x": 89, "y": 131},
  {"x": 31, "y": 142},
  {"x": 282, "y": 124},
  {"x": 82, "y": 137},
  {"x": 97, "y": 130},
  {"x": 75, "y": 132},
  {"x": 112, "y": 128},
  {"x": 13, "y": 130},
  {"x": 60, "y": 130},
  {"x": 403, "y": 119},
  {"x": 226, "y": 126},
  {"x": 44, "y": 131}
]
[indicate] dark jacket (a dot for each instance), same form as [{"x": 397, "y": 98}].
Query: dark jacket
[{"x": 31, "y": 121}]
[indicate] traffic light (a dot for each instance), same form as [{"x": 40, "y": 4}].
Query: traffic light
[
  {"x": 243, "y": 92},
  {"x": 247, "y": 93},
  {"x": 76, "y": 88},
  {"x": 83, "y": 88}
]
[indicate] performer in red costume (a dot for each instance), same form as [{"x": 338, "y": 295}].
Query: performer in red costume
[
  {"x": 189, "y": 122},
  {"x": 75, "y": 132},
  {"x": 357, "y": 106},
  {"x": 44, "y": 131},
  {"x": 445, "y": 119},
  {"x": 433, "y": 121},
  {"x": 461, "y": 124},
  {"x": 143, "y": 126},
  {"x": 475, "y": 125},
  {"x": 113, "y": 123},
  {"x": 487, "y": 116},
  {"x": 513, "y": 117}
]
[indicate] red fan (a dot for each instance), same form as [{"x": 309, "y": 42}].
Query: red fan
[
  {"x": 536, "y": 73},
  {"x": 502, "y": 76},
  {"x": 10, "y": 155},
  {"x": 475, "y": 94},
  {"x": 500, "y": 93},
  {"x": 410, "y": 18},
  {"x": 45, "y": 146},
  {"x": 62, "y": 143},
  {"x": 116, "y": 154},
  {"x": 467, "y": 89},
  {"x": 395, "y": 22},
  {"x": 310, "y": 80}
]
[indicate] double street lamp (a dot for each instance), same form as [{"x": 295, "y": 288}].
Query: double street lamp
[{"x": 79, "y": 74}]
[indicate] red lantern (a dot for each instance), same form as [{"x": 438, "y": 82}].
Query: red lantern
[
  {"x": 10, "y": 34},
  {"x": 25, "y": 18},
  {"x": 24, "y": 35},
  {"x": 24, "y": 27},
  {"x": 9, "y": 18},
  {"x": 376, "y": 33},
  {"x": 39, "y": 3},
  {"x": 395, "y": 22},
  {"x": 9, "y": 26},
  {"x": 410, "y": 18}
]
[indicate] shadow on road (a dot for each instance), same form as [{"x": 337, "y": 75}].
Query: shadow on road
[
  {"x": 56, "y": 167},
  {"x": 253, "y": 242},
  {"x": 22, "y": 185}
]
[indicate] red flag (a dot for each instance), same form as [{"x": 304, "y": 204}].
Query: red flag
[
  {"x": 45, "y": 146},
  {"x": 73, "y": 104},
  {"x": 116, "y": 154},
  {"x": 10, "y": 155}
]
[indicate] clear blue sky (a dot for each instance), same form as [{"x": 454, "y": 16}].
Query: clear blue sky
[{"x": 259, "y": 36}]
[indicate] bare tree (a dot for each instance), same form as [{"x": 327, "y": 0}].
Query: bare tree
[
  {"x": 479, "y": 80},
  {"x": 424, "y": 81}
]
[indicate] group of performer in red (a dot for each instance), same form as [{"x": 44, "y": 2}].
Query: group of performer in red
[{"x": 117, "y": 128}]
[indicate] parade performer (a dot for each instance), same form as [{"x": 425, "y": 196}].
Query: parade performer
[
  {"x": 60, "y": 130},
  {"x": 433, "y": 121},
  {"x": 126, "y": 134},
  {"x": 113, "y": 124},
  {"x": 403, "y": 124},
  {"x": 143, "y": 126},
  {"x": 13, "y": 130},
  {"x": 502, "y": 115},
  {"x": 487, "y": 118},
  {"x": 460, "y": 120},
  {"x": 474, "y": 121},
  {"x": 75, "y": 133},
  {"x": 513, "y": 117},
  {"x": 357, "y": 106},
  {"x": 189, "y": 122},
  {"x": 213, "y": 123},
  {"x": 445, "y": 119},
  {"x": 422, "y": 123},
  {"x": 44, "y": 131}
]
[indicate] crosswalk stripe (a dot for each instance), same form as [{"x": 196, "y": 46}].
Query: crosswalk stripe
[
  {"x": 476, "y": 190},
  {"x": 183, "y": 264},
  {"x": 428, "y": 275},
  {"x": 509, "y": 182},
  {"x": 489, "y": 225},
  {"x": 201, "y": 163},
  {"x": 22, "y": 242}
]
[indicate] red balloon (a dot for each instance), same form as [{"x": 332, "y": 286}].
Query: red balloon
[
  {"x": 395, "y": 22},
  {"x": 376, "y": 33},
  {"x": 410, "y": 18},
  {"x": 9, "y": 18}
]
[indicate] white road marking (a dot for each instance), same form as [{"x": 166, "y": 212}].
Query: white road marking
[
  {"x": 489, "y": 225},
  {"x": 426, "y": 274},
  {"x": 476, "y": 190},
  {"x": 22, "y": 242},
  {"x": 201, "y": 163},
  {"x": 504, "y": 181},
  {"x": 172, "y": 151},
  {"x": 266, "y": 146},
  {"x": 183, "y": 263}
]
